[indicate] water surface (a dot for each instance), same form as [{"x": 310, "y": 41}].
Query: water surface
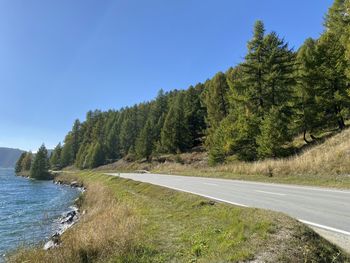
[{"x": 29, "y": 209}]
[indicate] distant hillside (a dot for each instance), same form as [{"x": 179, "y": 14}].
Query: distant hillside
[{"x": 8, "y": 157}]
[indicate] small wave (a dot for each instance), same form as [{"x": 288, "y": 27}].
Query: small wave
[{"x": 30, "y": 210}]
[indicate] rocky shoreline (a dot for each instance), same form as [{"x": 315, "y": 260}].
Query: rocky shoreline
[{"x": 68, "y": 219}]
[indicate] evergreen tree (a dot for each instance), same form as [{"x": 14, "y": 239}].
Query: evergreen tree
[
  {"x": 333, "y": 46},
  {"x": 273, "y": 134},
  {"x": 158, "y": 113},
  {"x": 254, "y": 69},
  {"x": 309, "y": 115},
  {"x": 27, "y": 162},
  {"x": 279, "y": 76},
  {"x": 67, "y": 153},
  {"x": 113, "y": 147},
  {"x": 40, "y": 166},
  {"x": 175, "y": 136},
  {"x": 81, "y": 160},
  {"x": 337, "y": 18},
  {"x": 55, "y": 159},
  {"x": 18, "y": 167},
  {"x": 264, "y": 81},
  {"x": 346, "y": 36},
  {"x": 145, "y": 142},
  {"x": 95, "y": 155},
  {"x": 332, "y": 89},
  {"x": 75, "y": 137},
  {"x": 195, "y": 113},
  {"x": 268, "y": 72},
  {"x": 218, "y": 151},
  {"x": 128, "y": 130},
  {"x": 215, "y": 98}
]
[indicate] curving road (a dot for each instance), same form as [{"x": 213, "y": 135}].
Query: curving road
[{"x": 326, "y": 209}]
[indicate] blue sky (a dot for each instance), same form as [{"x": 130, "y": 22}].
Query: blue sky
[{"x": 59, "y": 59}]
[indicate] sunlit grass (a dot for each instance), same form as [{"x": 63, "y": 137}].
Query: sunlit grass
[{"x": 128, "y": 221}]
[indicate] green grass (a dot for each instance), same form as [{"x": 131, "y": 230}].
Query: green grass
[{"x": 179, "y": 227}]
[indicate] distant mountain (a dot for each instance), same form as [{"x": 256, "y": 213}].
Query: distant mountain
[{"x": 9, "y": 157}]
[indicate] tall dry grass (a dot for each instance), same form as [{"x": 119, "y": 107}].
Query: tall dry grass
[
  {"x": 107, "y": 229},
  {"x": 331, "y": 158}
]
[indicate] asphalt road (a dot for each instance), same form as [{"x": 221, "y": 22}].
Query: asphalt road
[{"x": 323, "y": 208}]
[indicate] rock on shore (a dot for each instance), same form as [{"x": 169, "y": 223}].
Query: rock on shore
[{"x": 67, "y": 221}]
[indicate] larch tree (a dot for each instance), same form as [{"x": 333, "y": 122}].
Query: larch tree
[
  {"x": 55, "y": 158},
  {"x": 40, "y": 166},
  {"x": 145, "y": 141},
  {"x": 175, "y": 135},
  {"x": 18, "y": 167}
]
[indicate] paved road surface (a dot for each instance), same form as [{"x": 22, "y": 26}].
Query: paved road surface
[{"x": 328, "y": 209}]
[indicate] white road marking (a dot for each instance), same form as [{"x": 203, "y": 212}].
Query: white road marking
[
  {"x": 325, "y": 227},
  {"x": 340, "y": 231},
  {"x": 271, "y": 193},
  {"x": 291, "y": 186},
  {"x": 207, "y": 196}
]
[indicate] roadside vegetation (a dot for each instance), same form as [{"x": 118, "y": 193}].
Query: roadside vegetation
[{"x": 127, "y": 221}]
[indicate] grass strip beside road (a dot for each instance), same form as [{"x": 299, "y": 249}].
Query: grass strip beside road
[{"x": 128, "y": 221}]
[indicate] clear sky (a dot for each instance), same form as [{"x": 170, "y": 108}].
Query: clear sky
[{"x": 59, "y": 59}]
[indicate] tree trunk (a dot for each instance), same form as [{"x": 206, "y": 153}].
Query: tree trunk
[{"x": 305, "y": 137}]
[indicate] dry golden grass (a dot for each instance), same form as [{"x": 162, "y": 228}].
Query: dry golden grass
[
  {"x": 329, "y": 158},
  {"x": 326, "y": 164},
  {"x": 108, "y": 228}
]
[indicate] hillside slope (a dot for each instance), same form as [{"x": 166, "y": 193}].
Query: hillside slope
[
  {"x": 9, "y": 157},
  {"x": 325, "y": 164}
]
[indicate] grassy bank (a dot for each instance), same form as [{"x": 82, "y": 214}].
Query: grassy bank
[
  {"x": 126, "y": 221},
  {"x": 326, "y": 163}
]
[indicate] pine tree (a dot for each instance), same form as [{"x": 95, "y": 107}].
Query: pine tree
[
  {"x": 195, "y": 113},
  {"x": 337, "y": 18},
  {"x": 346, "y": 36},
  {"x": 264, "y": 81},
  {"x": 18, "y": 167},
  {"x": 308, "y": 114},
  {"x": 254, "y": 69},
  {"x": 332, "y": 91},
  {"x": 55, "y": 159},
  {"x": 215, "y": 98},
  {"x": 95, "y": 155},
  {"x": 128, "y": 130},
  {"x": 81, "y": 160},
  {"x": 158, "y": 113},
  {"x": 333, "y": 46},
  {"x": 273, "y": 134},
  {"x": 279, "y": 79},
  {"x": 145, "y": 142},
  {"x": 40, "y": 166},
  {"x": 27, "y": 162},
  {"x": 217, "y": 152},
  {"x": 76, "y": 137},
  {"x": 175, "y": 136},
  {"x": 112, "y": 142},
  {"x": 67, "y": 153}
]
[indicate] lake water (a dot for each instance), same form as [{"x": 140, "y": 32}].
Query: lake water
[{"x": 29, "y": 209}]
